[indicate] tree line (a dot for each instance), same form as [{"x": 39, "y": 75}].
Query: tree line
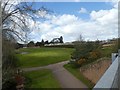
[{"x": 40, "y": 44}]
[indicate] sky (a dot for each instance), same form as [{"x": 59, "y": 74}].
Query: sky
[{"x": 92, "y": 20}]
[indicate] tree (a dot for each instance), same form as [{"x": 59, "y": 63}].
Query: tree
[
  {"x": 82, "y": 50},
  {"x": 18, "y": 45},
  {"x": 46, "y": 42},
  {"x": 15, "y": 27},
  {"x": 37, "y": 44},
  {"x": 86, "y": 51},
  {"x": 80, "y": 38},
  {"x": 42, "y": 42},
  {"x": 17, "y": 16},
  {"x": 31, "y": 44},
  {"x": 61, "y": 39}
]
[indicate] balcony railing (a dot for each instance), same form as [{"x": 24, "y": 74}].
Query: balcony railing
[{"x": 110, "y": 77}]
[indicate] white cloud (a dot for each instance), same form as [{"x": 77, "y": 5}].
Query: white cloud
[
  {"x": 64, "y": 19},
  {"x": 42, "y": 13},
  {"x": 83, "y": 10},
  {"x": 101, "y": 25}
]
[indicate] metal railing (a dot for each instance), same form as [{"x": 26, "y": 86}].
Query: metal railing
[{"x": 110, "y": 77}]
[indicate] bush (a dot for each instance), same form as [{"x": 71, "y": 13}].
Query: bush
[
  {"x": 9, "y": 65},
  {"x": 95, "y": 55},
  {"x": 86, "y": 52},
  {"x": 81, "y": 61},
  {"x": 9, "y": 85}
]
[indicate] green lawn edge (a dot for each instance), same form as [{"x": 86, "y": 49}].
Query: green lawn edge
[{"x": 78, "y": 75}]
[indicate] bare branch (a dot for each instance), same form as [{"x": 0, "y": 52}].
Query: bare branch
[
  {"x": 6, "y": 3},
  {"x": 9, "y": 14},
  {"x": 23, "y": 21},
  {"x": 14, "y": 32},
  {"x": 20, "y": 11},
  {"x": 11, "y": 5},
  {"x": 18, "y": 25}
]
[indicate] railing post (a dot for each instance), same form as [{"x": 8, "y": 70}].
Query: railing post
[
  {"x": 114, "y": 55},
  {"x": 119, "y": 69}
]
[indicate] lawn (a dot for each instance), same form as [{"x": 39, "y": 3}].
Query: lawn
[
  {"x": 41, "y": 79},
  {"x": 75, "y": 71},
  {"x": 43, "y": 56}
]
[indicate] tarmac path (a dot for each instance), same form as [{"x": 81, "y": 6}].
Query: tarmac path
[{"x": 66, "y": 79}]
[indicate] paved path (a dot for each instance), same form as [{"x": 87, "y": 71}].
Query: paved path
[{"x": 66, "y": 79}]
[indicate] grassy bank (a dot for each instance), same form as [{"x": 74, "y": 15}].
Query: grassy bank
[{"x": 106, "y": 51}]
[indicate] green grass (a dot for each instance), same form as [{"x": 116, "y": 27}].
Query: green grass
[
  {"x": 106, "y": 51},
  {"x": 43, "y": 56},
  {"x": 41, "y": 79},
  {"x": 78, "y": 74}
]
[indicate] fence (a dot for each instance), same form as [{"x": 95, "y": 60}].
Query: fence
[{"x": 110, "y": 79}]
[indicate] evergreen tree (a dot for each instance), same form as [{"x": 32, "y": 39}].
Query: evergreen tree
[{"x": 61, "y": 39}]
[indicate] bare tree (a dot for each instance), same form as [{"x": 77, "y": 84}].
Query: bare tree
[
  {"x": 15, "y": 18},
  {"x": 15, "y": 26},
  {"x": 80, "y": 38}
]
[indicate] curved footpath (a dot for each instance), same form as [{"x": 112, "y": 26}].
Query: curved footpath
[{"x": 66, "y": 79}]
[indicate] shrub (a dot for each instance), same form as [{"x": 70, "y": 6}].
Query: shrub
[
  {"x": 9, "y": 65},
  {"x": 9, "y": 85},
  {"x": 94, "y": 55},
  {"x": 81, "y": 61},
  {"x": 86, "y": 52}
]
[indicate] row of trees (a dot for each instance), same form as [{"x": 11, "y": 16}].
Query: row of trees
[
  {"x": 42, "y": 43},
  {"x": 32, "y": 44}
]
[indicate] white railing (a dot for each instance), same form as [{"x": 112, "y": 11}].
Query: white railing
[{"x": 110, "y": 77}]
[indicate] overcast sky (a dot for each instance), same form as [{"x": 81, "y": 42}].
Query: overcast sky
[{"x": 94, "y": 20}]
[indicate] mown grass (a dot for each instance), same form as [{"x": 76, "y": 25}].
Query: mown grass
[
  {"x": 41, "y": 79},
  {"x": 43, "y": 56},
  {"x": 76, "y": 72}
]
